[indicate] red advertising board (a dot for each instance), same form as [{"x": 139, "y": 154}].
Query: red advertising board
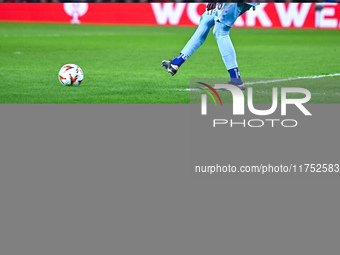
[{"x": 277, "y": 15}]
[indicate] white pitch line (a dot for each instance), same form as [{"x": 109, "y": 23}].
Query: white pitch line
[
  {"x": 316, "y": 93},
  {"x": 292, "y": 79},
  {"x": 276, "y": 80}
]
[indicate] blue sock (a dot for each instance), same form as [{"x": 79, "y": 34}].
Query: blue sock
[
  {"x": 179, "y": 60},
  {"x": 235, "y": 75}
]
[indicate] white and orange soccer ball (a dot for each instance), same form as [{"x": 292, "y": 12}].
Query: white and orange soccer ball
[{"x": 71, "y": 75}]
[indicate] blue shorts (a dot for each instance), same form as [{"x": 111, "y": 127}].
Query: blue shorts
[
  {"x": 227, "y": 13},
  {"x": 207, "y": 20}
]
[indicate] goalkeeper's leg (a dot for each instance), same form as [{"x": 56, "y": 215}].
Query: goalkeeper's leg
[
  {"x": 226, "y": 47},
  {"x": 198, "y": 38},
  {"x": 200, "y": 35},
  {"x": 224, "y": 20}
]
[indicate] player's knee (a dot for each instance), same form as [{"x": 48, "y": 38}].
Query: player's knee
[
  {"x": 220, "y": 29},
  {"x": 216, "y": 31},
  {"x": 207, "y": 21}
]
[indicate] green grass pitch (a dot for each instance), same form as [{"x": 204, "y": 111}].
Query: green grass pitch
[{"x": 122, "y": 64}]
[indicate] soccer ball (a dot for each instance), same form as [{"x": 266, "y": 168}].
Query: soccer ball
[{"x": 71, "y": 75}]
